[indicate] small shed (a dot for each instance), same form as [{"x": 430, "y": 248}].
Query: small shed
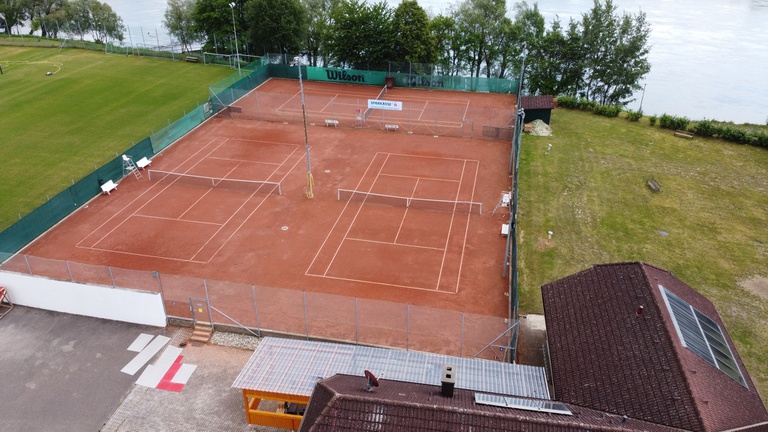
[{"x": 537, "y": 107}]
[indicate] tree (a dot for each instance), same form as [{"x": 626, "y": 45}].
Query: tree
[
  {"x": 448, "y": 44},
  {"x": 413, "y": 41},
  {"x": 361, "y": 35},
  {"x": 318, "y": 24},
  {"x": 43, "y": 15},
  {"x": 12, "y": 13},
  {"x": 178, "y": 20},
  {"x": 614, "y": 50},
  {"x": 277, "y": 26},
  {"x": 105, "y": 22},
  {"x": 213, "y": 18},
  {"x": 480, "y": 22}
]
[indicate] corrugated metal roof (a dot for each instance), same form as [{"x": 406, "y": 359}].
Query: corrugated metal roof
[{"x": 291, "y": 366}]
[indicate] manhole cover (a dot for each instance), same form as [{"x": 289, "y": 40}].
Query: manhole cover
[{"x": 284, "y": 228}]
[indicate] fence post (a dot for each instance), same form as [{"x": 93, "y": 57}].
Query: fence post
[
  {"x": 208, "y": 303},
  {"x": 357, "y": 339},
  {"x": 461, "y": 338},
  {"x": 69, "y": 270},
  {"x": 112, "y": 278},
  {"x": 306, "y": 318},
  {"x": 29, "y": 268},
  {"x": 408, "y": 327},
  {"x": 256, "y": 309}
]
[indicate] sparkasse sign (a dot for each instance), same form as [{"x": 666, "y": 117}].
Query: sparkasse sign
[{"x": 385, "y": 105}]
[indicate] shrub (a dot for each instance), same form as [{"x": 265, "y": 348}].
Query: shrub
[
  {"x": 652, "y": 120},
  {"x": 680, "y": 123},
  {"x": 665, "y": 121},
  {"x": 634, "y": 115},
  {"x": 705, "y": 128}
]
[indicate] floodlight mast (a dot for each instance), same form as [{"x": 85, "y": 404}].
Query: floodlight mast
[
  {"x": 310, "y": 179},
  {"x": 234, "y": 27}
]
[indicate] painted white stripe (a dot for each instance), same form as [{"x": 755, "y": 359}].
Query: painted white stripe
[
  {"x": 145, "y": 355},
  {"x": 141, "y": 342},
  {"x": 154, "y": 373},
  {"x": 183, "y": 374}
]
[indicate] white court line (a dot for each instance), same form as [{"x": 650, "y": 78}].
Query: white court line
[
  {"x": 280, "y": 108},
  {"x": 422, "y": 111},
  {"x": 340, "y": 215},
  {"x": 393, "y": 244},
  {"x": 153, "y": 374},
  {"x": 450, "y": 228},
  {"x": 243, "y": 161},
  {"x": 422, "y": 178},
  {"x": 183, "y": 374},
  {"x": 205, "y": 195},
  {"x": 466, "y": 229},
  {"x": 152, "y": 187},
  {"x": 405, "y": 213},
  {"x": 145, "y": 355},
  {"x": 176, "y": 219},
  {"x": 247, "y": 218},
  {"x": 359, "y": 209},
  {"x": 141, "y": 342},
  {"x": 329, "y": 102},
  {"x": 381, "y": 283}
]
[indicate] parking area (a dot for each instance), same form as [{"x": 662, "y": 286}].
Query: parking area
[{"x": 62, "y": 372}]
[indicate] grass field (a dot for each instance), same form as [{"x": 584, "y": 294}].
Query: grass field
[
  {"x": 708, "y": 224},
  {"x": 57, "y": 127}
]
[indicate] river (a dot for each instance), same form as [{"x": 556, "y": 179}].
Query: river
[{"x": 708, "y": 57}]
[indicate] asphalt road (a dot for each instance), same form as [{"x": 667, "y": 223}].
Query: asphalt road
[{"x": 61, "y": 372}]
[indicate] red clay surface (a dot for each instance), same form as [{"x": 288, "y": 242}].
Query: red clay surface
[{"x": 352, "y": 248}]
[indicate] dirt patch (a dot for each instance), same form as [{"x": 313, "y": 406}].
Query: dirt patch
[{"x": 756, "y": 285}]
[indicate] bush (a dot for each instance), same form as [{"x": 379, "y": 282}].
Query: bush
[
  {"x": 652, "y": 120},
  {"x": 606, "y": 110},
  {"x": 634, "y": 115},
  {"x": 705, "y": 128},
  {"x": 665, "y": 121},
  {"x": 680, "y": 123}
]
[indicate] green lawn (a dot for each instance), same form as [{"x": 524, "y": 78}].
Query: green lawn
[
  {"x": 590, "y": 191},
  {"x": 56, "y": 128}
]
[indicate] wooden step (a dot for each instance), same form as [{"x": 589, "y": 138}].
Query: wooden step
[{"x": 202, "y": 333}]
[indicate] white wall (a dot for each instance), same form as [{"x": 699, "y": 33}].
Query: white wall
[{"x": 140, "y": 307}]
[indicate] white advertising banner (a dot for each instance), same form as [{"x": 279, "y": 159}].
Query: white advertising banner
[{"x": 385, "y": 105}]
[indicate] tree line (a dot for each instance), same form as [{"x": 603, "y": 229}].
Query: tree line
[
  {"x": 601, "y": 57},
  {"x": 55, "y": 18}
]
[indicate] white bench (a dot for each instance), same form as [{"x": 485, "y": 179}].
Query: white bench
[
  {"x": 143, "y": 162},
  {"x": 108, "y": 187},
  {"x": 391, "y": 127},
  {"x": 506, "y": 198},
  {"x": 505, "y": 229},
  {"x": 331, "y": 122}
]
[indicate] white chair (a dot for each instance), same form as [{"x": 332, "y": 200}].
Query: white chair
[
  {"x": 143, "y": 162},
  {"x": 108, "y": 187}
]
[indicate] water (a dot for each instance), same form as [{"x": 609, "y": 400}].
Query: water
[{"x": 708, "y": 58}]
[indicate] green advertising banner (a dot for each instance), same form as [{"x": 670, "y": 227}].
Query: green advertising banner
[{"x": 351, "y": 76}]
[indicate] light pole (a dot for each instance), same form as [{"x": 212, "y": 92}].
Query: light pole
[
  {"x": 310, "y": 179},
  {"x": 234, "y": 27}
]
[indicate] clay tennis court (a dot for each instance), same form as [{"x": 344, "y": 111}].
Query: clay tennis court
[{"x": 401, "y": 217}]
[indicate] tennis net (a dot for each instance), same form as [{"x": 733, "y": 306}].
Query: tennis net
[
  {"x": 216, "y": 183},
  {"x": 381, "y": 95},
  {"x": 408, "y": 202}
]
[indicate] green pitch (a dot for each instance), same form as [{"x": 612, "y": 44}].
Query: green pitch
[{"x": 57, "y": 126}]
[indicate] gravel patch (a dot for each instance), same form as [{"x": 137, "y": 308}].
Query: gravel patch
[{"x": 247, "y": 342}]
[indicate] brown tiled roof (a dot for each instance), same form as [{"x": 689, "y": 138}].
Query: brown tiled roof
[
  {"x": 537, "y": 102},
  {"x": 609, "y": 354},
  {"x": 341, "y": 404}
]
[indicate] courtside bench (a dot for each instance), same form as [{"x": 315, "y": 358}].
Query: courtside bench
[
  {"x": 331, "y": 122},
  {"x": 391, "y": 127},
  {"x": 108, "y": 187}
]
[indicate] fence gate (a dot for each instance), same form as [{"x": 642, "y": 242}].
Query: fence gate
[{"x": 200, "y": 310}]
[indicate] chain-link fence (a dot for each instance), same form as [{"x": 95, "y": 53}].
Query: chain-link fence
[{"x": 293, "y": 312}]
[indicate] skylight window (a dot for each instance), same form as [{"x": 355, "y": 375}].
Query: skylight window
[
  {"x": 701, "y": 335},
  {"x": 523, "y": 404}
]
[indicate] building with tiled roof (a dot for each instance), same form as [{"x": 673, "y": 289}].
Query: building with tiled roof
[
  {"x": 537, "y": 107},
  {"x": 342, "y": 403},
  {"x": 632, "y": 339}
]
